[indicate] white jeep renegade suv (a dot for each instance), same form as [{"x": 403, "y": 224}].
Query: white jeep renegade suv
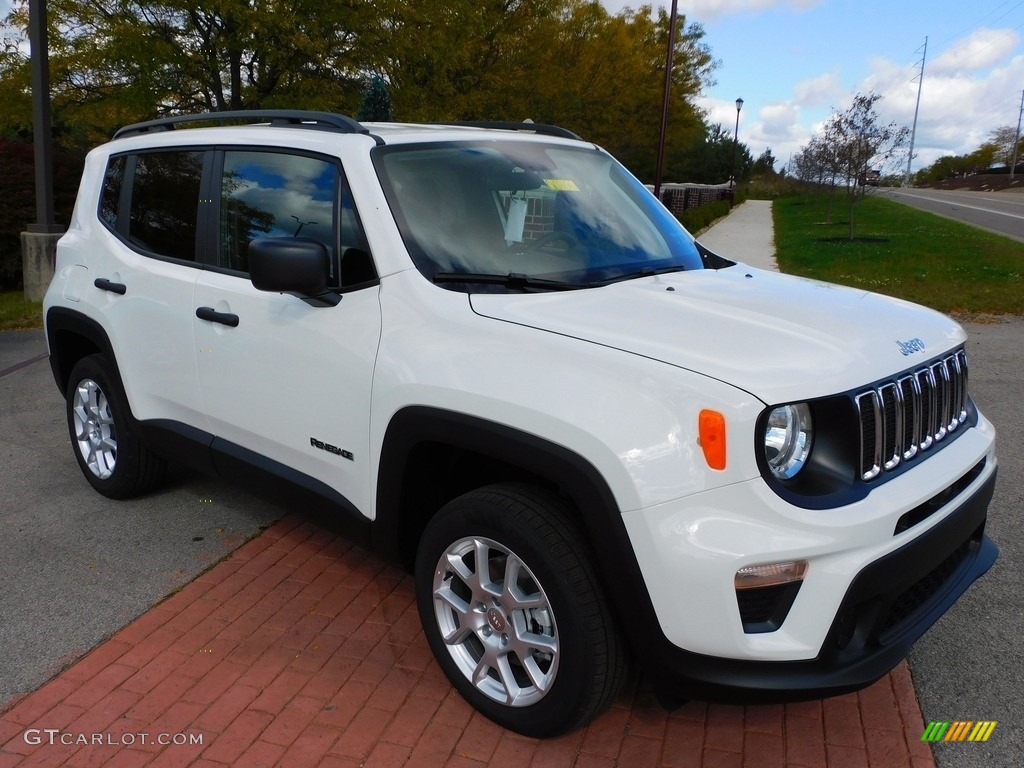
[{"x": 502, "y": 363}]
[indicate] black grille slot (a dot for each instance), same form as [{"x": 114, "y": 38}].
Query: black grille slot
[
  {"x": 901, "y": 418},
  {"x": 922, "y": 512},
  {"x": 922, "y": 591}
]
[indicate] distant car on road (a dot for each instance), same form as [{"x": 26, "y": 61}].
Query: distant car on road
[{"x": 870, "y": 178}]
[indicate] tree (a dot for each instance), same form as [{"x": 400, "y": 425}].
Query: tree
[
  {"x": 562, "y": 61},
  {"x": 568, "y": 62},
  {"x": 851, "y": 143},
  {"x": 376, "y": 104},
  {"x": 1002, "y": 140},
  {"x": 711, "y": 161},
  {"x": 116, "y": 61},
  {"x": 764, "y": 165}
]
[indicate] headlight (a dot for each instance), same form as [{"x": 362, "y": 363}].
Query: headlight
[{"x": 787, "y": 439}]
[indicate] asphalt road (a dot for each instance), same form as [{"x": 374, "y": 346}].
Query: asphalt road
[
  {"x": 76, "y": 566},
  {"x": 1000, "y": 212},
  {"x": 970, "y": 666}
]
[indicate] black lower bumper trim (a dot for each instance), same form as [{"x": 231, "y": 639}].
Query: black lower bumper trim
[{"x": 889, "y": 605}]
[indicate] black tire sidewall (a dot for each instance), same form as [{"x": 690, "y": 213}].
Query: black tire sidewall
[
  {"x": 123, "y": 481},
  {"x": 567, "y": 704}
]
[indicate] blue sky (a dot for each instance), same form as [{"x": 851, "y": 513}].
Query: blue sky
[{"x": 793, "y": 61}]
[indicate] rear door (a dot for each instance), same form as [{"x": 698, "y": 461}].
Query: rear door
[{"x": 150, "y": 208}]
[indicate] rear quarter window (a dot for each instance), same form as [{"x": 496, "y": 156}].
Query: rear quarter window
[{"x": 165, "y": 202}]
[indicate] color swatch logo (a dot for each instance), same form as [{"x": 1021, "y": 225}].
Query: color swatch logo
[{"x": 958, "y": 730}]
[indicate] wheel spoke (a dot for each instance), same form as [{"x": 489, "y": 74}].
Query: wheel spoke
[
  {"x": 458, "y": 635},
  {"x": 541, "y": 680},
  {"x": 526, "y": 642},
  {"x": 452, "y": 600},
  {"x": 512, "y": 593},
  {"x": 508, "y": 679}
]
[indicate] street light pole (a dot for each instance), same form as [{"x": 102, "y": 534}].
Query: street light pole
[
  {"x": 735, "y": 143},
  {"x": 665, "y": 99}
]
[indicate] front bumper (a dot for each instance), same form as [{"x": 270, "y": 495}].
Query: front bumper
[
  {"x": 861, "y": 608},
  {"x": 888, "y": 607}
]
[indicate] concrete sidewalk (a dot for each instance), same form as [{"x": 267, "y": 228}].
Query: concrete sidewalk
[
  {"x": 746, "y": 234},
  {"x": 302, "y": 649}
]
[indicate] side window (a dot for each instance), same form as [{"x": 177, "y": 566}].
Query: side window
[
  {"x": 273, "y": 194},
  {"x": 164, "y": 203},
  {"x": 111, "y": 195}
]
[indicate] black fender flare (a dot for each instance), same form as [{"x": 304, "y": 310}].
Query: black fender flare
[
  {"x": 573, "y": 475},
  {"x": 61, "y": 320}
]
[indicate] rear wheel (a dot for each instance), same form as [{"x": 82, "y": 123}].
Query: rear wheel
[
  {"x": 511, "y": 607},
  {"x": 108, "y": 451}
]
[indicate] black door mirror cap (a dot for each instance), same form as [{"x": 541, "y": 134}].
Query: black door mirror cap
[{"x": 293, "y": 265}]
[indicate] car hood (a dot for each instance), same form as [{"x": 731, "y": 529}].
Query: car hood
[{"x": 781, "y": 338}]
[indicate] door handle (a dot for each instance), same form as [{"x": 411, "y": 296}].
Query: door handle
[
  {"x": 224, "y": 318},
  {"x": 106, "y": 285}
]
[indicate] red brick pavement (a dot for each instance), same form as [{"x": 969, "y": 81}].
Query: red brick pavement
[{"x": 302, "y": 650}]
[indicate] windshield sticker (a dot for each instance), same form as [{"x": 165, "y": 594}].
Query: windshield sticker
[
  {"x": 516, "y": 222},
  {"x": 562, "y": 185}
]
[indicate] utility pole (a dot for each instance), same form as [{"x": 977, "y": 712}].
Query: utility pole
[
  {"x": 39, "y": 241},
  {"x": 42, "y": 140},
  {"x": 913, "y": 131},
  {"x": 1016, "y": 139}
]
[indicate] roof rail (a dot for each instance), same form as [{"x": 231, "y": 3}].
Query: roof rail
[
  {"x": 327, "y": 121},
  {"x": 508, "y": 125}
]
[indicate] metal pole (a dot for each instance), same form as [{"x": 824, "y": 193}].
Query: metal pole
[
  {"x": 1016, "y": 140},
  {"x": 913, "y": 131},
  {"x": 42, "y": 140},
  {"x": 735, "y": 143},
  {"x": 665, "y": 98}
]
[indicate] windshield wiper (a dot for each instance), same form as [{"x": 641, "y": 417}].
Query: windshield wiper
[
  {"x": 645, "y": 272},
  {"x": 515, "y": 280}
]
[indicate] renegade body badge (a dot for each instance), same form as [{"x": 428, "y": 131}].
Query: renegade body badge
[
  {"x": 910, "y": 347},
  {"x": 332, "y": 449}
]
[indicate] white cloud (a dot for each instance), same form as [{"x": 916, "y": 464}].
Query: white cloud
[
  {"x": 983, "y": 49},
  {"x": 821, "y": 90},
  {"x": 704, "y": 10}
]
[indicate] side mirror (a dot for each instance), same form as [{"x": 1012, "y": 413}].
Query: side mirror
[{"x": 294, "y": 265}]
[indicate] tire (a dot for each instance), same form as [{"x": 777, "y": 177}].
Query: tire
[
  {"x": 541, "y": 656},
  {"x": 102, "y": 433}
]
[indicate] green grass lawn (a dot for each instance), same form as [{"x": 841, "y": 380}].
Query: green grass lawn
[
  {"x": 901, "y": 251},
  {"x": 16, "y": 313}
]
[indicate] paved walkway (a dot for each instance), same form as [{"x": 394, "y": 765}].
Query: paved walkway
[
  {"x": 746, "y": 234},
  {"x": 301, "y": 649}
]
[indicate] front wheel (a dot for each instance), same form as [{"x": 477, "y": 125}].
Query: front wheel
[{"x": 511, "y": 607}]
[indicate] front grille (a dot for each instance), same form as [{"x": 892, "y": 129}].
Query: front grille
[{"x": 903, "y": 417}]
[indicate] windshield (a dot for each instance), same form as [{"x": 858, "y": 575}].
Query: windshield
[{"x": 545, "y": 215}]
